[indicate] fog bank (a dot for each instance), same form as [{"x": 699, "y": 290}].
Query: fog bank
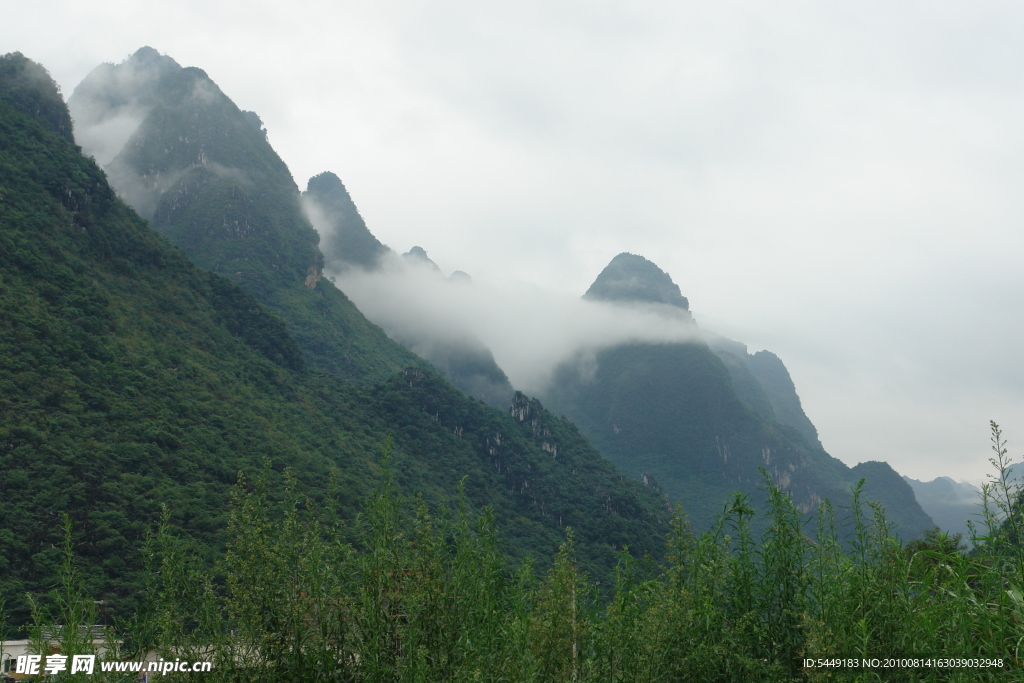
[{"x": 529, "y": 330}]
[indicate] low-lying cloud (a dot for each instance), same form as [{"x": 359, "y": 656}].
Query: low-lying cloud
[{"x": 529, "y": 330}]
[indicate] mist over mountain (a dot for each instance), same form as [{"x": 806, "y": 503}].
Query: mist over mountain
[
  {"x": 344, "y": 238},
  {"x": 950, "y": 503},
  {"x": 666, "y": 401},
  {"x": 131, "y": 377},
  {"x": 204, "y": 174},
  {"x": 703, "y": 416},
  {"x": 418, "y": 257},
  {"x": 109, "y": 106},
  {"x": 224, "y": 196},
  {"x": 529, "y": 330}
]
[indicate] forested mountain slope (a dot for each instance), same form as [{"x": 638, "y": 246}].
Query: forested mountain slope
[
  {"x": 131, "y": 378},
  {"x": 702, "y": 427},
  {"x": 204, "y": 175}
]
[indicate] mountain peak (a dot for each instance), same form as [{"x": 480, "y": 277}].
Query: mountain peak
[
  {"x": 419, "y": 255},
  {"x": 632, "y": 278},
  {"x": 150, "y": 57},
  {"x": 28, "y": 87},
  {"x": 345, "y": 239}
]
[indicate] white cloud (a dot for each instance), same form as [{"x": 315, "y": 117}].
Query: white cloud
[{"x": 529, "y": 329}]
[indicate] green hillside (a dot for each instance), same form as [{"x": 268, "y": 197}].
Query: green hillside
[{"x": 131, "y": 378}]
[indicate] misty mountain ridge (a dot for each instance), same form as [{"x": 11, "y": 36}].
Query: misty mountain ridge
[
  {"x": 668, "y": 409},
  {"x": 703, "y": 416},
  {"x": 345, "y": 240},
  {"x": 205, "y": 175},
  {"x": 222, "y": 194},
  {"x": 950, "y": 503},
  {"x": 133, "y": 377},
  {"x": 347, "y": 243},
  {"x": 789, "y": 446}
]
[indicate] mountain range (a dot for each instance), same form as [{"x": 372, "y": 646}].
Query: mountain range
[
  {"x": 699, "y": 417},
  {"x": 133, "y": 378},
  {"x": 171, "y": 319}
]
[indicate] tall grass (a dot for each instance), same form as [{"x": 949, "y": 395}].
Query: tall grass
[{"x": 424, "y": 596}]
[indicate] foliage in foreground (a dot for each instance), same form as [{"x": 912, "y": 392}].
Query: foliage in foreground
[{"x": 429, "y": 599}]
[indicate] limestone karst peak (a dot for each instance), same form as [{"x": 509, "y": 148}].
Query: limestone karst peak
[
  {"x": 632, "y": 278},
  {"x": 419, "y": 255}
]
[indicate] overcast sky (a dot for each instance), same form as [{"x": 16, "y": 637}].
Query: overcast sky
[{"x": 840, "y": 183}]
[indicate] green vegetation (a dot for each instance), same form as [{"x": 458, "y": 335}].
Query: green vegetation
[
  {"x": 135, "y": 387},
  {"x": 417, "y": 596},
  {"x": 676, "y": 413},
  {"x": 131, "y": 379},
  {"x": 205, "y": 176}
]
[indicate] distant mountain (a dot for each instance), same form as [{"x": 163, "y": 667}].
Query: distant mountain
[
  {"x": 950, "y": 503},
  {"x": 631, "y": 278},
  {"x": 347, "y": 242},
  {"x": 345, "y": 239},
  {"x": 701, "y": 418},
  {"x": 418, "y": 256},
  {"x": 764, "y": 384},
  {"x": 131, "y": 378}
]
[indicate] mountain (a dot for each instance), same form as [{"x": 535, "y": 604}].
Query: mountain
[
  {"x": 417, "y": 256},
  {"x": 950, "y": 503},
  {"x": 631, "y": 278},
  {"x": 763, "y": 382},
  {"x": 130, "y": 378},
  {"x": 702, "y": 418},
  {"x": 204, "y": 174},
  {"x": 347, "y": 243},
  {"x": 466, "y": 362},
  {"x": 344, "y": 238},
  {"x": 197, "y": 168}
]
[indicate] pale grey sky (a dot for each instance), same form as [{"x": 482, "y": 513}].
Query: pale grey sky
[{"x": 836, "y": 182}]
